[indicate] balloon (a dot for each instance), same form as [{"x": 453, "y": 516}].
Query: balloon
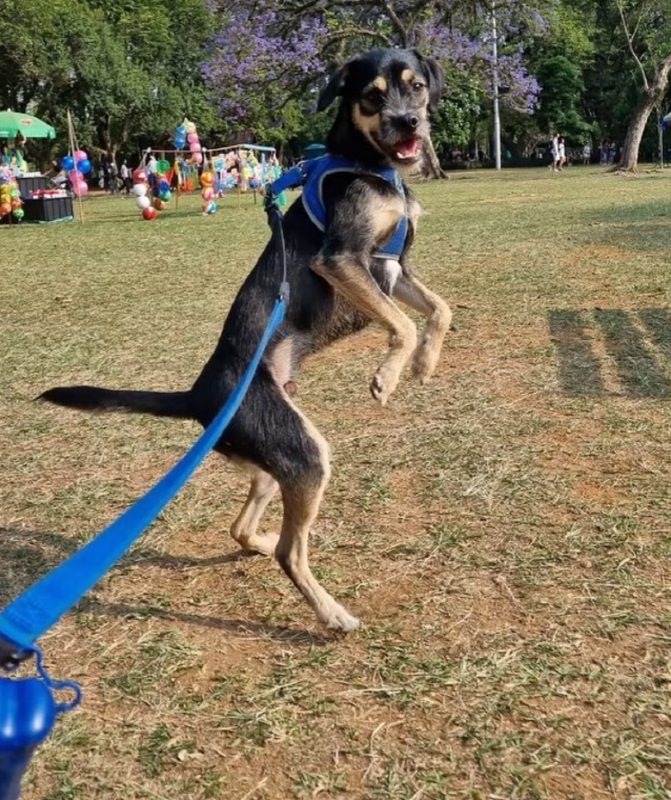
[
  {"x": 139, "y": 175},
  {"x": 84, "y": 166},
  {"x": 15, "y": 204},
  {"x": 189, "y": 127},
  {"x": 76, "y": 176},
  {"x": 195, "y": 147},
  {"x": 67, "y": 163},
  {"x": 165, "y": 196},
  {"x": 143, "y": 202},
  {"x": 140, "y": 189},
  {"x": 192, "y": 138},
  {"x": 206, "y": 179},
  {"x": 162, "y": 166},
  {"x": 18, "y": 213},
  {"x": 80, "y": 188},
  {"x": 207, "y": 194},
  {"x": 212, "y": 207},
  {"x": 164, "y": 186},
  {"x": 14, "y": 193},
  {"x": 180, "y": 144},
  {"x": 198, "y": 158},
  {"x": 180, "y": 132},
  {"x": 149, "y": 213},
  {"x": 5, "y": 208},
  {"x": 80, "y": 155},
  {"x": 159, "y": 205}
]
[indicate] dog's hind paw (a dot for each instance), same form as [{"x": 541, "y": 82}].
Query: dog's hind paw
[
  {"x": 425, "y": 361},
  {"x": 264, "y": 544},
  {"x": 341, "y": 620}
]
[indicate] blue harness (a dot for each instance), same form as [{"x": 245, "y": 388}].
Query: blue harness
[{"x": 310, "y": 175}]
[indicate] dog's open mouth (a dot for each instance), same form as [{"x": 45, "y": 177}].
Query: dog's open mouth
[{"x": 408, "y": 149}]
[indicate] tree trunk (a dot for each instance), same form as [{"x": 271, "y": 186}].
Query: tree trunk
[
  {"x": 431, "y": 165},
  {"x": 652, "y": 96}
]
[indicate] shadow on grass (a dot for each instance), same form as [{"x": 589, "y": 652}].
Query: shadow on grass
[
  {"x": 636, "y": 363},
  {"x": 28, "y": 555},
  {"x": 237, "y": 626},
  {"x": 579, "y": 368}
]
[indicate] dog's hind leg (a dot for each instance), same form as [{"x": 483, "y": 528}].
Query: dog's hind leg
[
  {"x": 301, "y": 496},
  {"x": 244, "y": 529},
  {"x": 410, "y": 291}
]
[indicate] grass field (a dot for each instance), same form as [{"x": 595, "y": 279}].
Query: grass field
[{"x": 504, "y": 532}]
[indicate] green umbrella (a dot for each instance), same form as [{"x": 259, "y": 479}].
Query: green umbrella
[{"x": 13, "y": 122}]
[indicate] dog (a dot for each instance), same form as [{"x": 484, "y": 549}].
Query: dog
[{"x": 338, "y": 286}]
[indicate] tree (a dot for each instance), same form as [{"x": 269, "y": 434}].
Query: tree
[
  {"x": 269, "y": 56},
  {"x": 646, "y": 25},
  {"x": 128, "y": 70}
]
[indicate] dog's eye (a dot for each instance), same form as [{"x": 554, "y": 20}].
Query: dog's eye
[{"x": 418, "y": 86}]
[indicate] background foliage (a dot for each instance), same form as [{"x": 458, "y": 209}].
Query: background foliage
[{"x": 129, "y": 70}]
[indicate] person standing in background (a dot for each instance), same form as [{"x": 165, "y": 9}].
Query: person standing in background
[
  {"x": 586, "y": 153},
  {"x": 561, "y": 147},
  {"x": 126, "y": 176}
]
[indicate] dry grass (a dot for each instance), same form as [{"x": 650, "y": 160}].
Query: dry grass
[{"x": 503, "y": 532}]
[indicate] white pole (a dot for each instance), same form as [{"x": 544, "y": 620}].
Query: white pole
[{"x": 495, "y": 82}]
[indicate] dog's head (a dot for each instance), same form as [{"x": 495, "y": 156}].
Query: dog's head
[{"x": 386, "y": 96}]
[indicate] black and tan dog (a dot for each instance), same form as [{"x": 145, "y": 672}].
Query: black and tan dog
[{"x": 337, "y": 288}]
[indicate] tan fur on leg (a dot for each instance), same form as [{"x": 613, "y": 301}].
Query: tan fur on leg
[
  {"x": 301, "y": 506},
  {"x": 353, "y": 281},
  {"x": 414, "y": 294},
  {"x": 244, "y": 529}
]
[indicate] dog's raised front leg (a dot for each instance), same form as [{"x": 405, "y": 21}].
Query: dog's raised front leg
[
  {"x": 438, "y": 315},
  {"x": 349, "y": 276}
]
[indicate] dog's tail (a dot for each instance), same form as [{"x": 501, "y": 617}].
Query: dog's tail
[{"x": 92, "y": 398}]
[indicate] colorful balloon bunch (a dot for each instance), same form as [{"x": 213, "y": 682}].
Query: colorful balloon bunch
[
  {"x": 207, "y": 193},
  {"x": 76, "y": 166},
  {"x": 10, "y": 196},
  {"x": 141, "y": 190},
  {"x": 160, "y": 185},
  {"x": 187, "y": 133}
]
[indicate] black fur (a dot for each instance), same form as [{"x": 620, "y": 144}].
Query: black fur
[{"x": 268, "y": 431}]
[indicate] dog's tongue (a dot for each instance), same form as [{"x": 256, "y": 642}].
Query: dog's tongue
[{"x": 409, "y": 148}]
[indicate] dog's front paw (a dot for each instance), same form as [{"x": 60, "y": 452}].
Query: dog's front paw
[{"x": 383, "y": 384}]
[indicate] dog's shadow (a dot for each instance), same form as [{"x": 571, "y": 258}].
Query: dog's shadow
[{"x": 26, "y": 555}]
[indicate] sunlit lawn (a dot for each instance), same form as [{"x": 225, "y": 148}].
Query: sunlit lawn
[{"x": 503, "y": 532}]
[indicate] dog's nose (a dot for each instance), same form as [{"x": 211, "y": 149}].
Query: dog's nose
[{"x": 408, "y": 121}]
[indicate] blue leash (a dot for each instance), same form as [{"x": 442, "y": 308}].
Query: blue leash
[
  {"x": 28, "y": 709},
  {"x": 23, "y": 621}
]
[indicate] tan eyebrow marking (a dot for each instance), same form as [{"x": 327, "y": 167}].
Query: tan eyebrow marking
[
  {"x": 408, "y": 75},
  {"x": 380, "y": 83}
]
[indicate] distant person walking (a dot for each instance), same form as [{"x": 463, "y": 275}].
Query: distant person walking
[
  {"x": 586, "y": 153},
  {"x": 114, "y": 176},
  {"x": 554, "y": 149}
]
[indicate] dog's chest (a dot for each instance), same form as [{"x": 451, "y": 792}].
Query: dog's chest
[{"x": 386, "y": 272}]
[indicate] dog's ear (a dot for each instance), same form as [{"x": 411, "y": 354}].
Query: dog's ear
[
  {"x": 333, "y": 88},
  {"x": 435, "y": 78}
]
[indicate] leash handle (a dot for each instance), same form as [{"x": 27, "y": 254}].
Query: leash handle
[{"x": 27, "y": 715}]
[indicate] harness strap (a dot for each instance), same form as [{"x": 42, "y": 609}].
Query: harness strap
[{"x": 311, "y": 174}]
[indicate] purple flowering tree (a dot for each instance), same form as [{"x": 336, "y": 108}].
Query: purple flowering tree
[{"x": 269, "y": 57}]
